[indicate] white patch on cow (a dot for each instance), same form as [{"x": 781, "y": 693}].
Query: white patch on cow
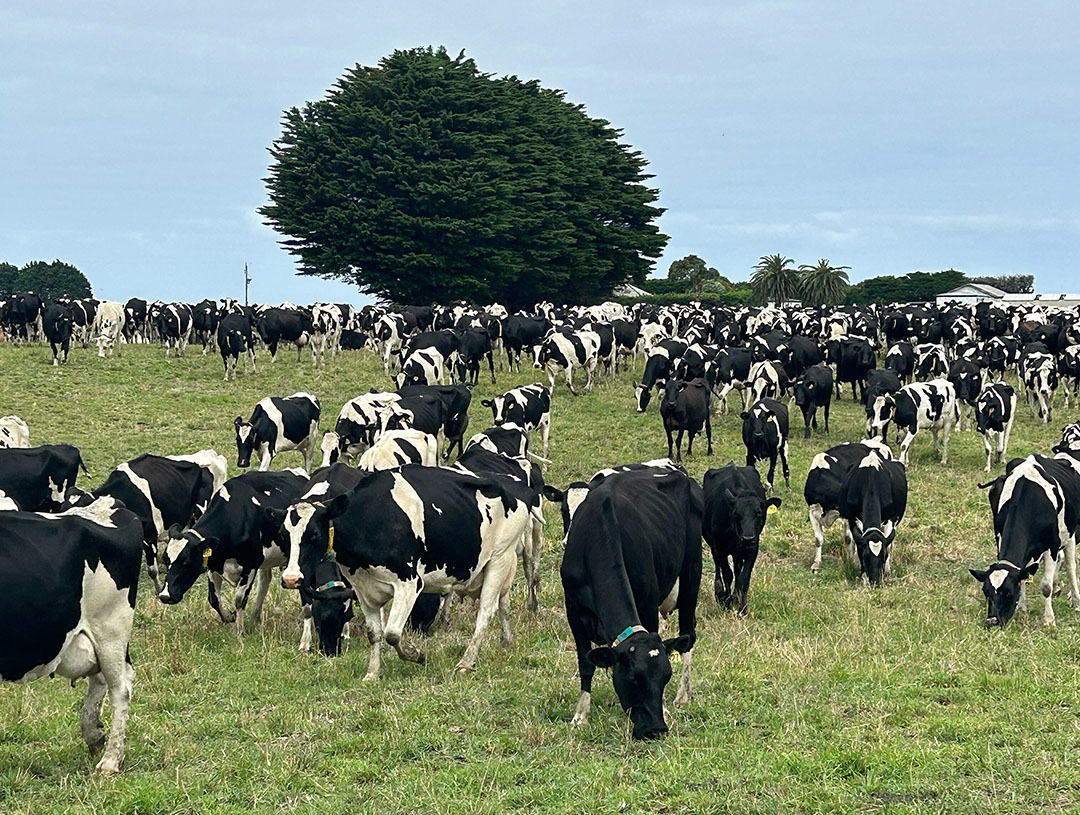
[
  {"x": 255, "y": 501},
  {"x": 574, "y": 497},
  {"x": 274, "y": 415},
  {"x": 7, "y": 504},
  {"x": 57, "y": 491},
  {"x": 304, "y": 511},
  {"x": 174, "y": 548},
  {"x": 654, "y": 652},
  {"x": 224, "y": 493},
  {"x": 997, "y": 577},
  {"x": 437, "y": 508},
  {"x": 1028, "y": 470},
  {"x": 244, "y": 431},
  {"x": 875, "y": 548},
  {"x": 318, "y": 488},
  {"x": 871, "y": 460},
  {"x": 822, "y": 461},
  {"x": 143, "y": 486},
  {"x": 410, "y": 503}
]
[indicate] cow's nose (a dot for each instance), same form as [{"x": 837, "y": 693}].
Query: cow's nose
[
  {"x": 290, "y": 580},
  {"x": 536, "y": 365},
  {"x": 164, "y": 596},
  {"x": 991, "y": 622}
]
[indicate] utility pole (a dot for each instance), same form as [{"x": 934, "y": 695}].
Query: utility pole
[{"x": 247, "y": 281}]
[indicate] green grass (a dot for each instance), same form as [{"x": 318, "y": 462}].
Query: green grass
[{"x": 830, "y": 697}]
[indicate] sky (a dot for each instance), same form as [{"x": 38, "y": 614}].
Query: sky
[{"x": 887, "y": 137}]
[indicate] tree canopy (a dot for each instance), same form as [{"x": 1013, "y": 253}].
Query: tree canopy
[
  {"x": 910, "y": 288},
  {"x": 693, "y": 273},
  {"x": 775, "y": 279},
  {"x": 1010, "y": 283},
  {"x": 424, "y": 179},
  {"x": 56, "y": 279},
  {"x": 823, "y": 283}
]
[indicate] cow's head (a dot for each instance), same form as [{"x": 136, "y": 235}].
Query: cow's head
[
  {"x": 802, "y": 393},
  {"x": 311, "y": 537},
  {"x": 1070, "y": 439},
  {"x": 756, "y": 423},
  {"x": 641, "y": 669},
  {"x": 187, "y": 555},
  {"x": 330, "y": 447},
  {"x": 331, "y": 599},
  {"x": 642, "y": 395},
  {"x": 568, "y": 500},
  {"x": 872, "y": 545},
  {"x": 245, "y": 442},
  {"x": 672, "y": 388},
  {"x": 748, "y": 513},
  {"x": 1001, "y": 587},
  {"x": 879, "y": 414}
]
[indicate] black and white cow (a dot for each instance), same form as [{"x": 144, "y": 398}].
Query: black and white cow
[
  {"x": 1039, "y": 374},
  {"x": 279, "y": 424},
  {"x": 880, "y": 384},
  {"x": 813, "y": 390},
  {"x": 416, "y": 529},
  {"x": 861, "y": 483},
  {"x": 1001, "y": 354},
  {"x": 926, "y": 406},
  {"x": 507, "y": 439},
  {"x": 423, "y": 366},
  {"x": 234, "y": 337},
  {"x": 732, "y": 373},
  {"x": 1069, "y": 373},
  {"x": 83, "y": 312},
  {"x": 967, "y": 378},
  {"x": 456, "y": 399},
  {"x": 68, "y": 586},
  {"x": 424, "y": 412},
  {"x": 659, "y": 366},
  {"x": 1036, "y": 508},
  {"x": 735, "y": 512},
  {"x": 357, "y": 426},
  {"x": 174, "y": 327},
  {"x": 38, "y": 478},
  {"x": 389, "y": 333},
  {"x": 277, "y": 325},
  {"x": 14, "y": 432},
  {"x": 931, "y": 361},
  {"x": 204, "y": 324},
  {"x": 521, "y": 333},
  {"x": 685, "y": 409},
  {"x": 528, "y": 407},
  {"x": 57, "y": 321},
  {"x": 767, "y": 380},
  {"x": 567, "y": 352},
  {"x": 475, "y": 346},
  {"x": 995, "y": 411},
  {"x": 396, "y": 448},
  {"x": 633, "y": 552},
  {"x": 238, "y": 538},
  {"x": 765, "y": 436}
]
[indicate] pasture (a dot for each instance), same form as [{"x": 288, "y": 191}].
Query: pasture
[{"x": 828, "y": 697}]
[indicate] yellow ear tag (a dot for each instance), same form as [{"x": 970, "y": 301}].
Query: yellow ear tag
[
  {"x": 330, "y": 544},
  {"x": 206, "y": 557},
  {"x": 771, "y": 510}
]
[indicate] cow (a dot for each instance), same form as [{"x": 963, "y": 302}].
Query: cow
[
  {"x": 204, "y": 324},
  {"x": 732, "y": 371},
  {"x": 389, "y": 333},
  {"x": 765, "y": 436},
  {"x": 24, "y": 315},
  {"x": 1001, "y": 354},
  {"x": 396, "y": 448},
  {"x": 278, "y": 424},
  {"x": 423, "y": 412},
  {"x": 422, "y": 367},
  {"x": 520, "y": 334},
  {"x": 813, "y": 390},
  {"x": 507, "y": 439},
  {"x": 276, "y": 325},
  {"x": 456, "y": 399},
  {"x": 881, "y": 384},
  {"x": 234, "y": 337},
  {"x": 354, "y": 340},
  {"x": 685, "y": 409},
  {"x": 108, "y": 328},
  {"x": 1069, "y": 373},
  {"x": 735, "y": 512},
  {"x": 174, "y": 327},
  {"x": 238, "y": 538},
  {"x": 861, "y": 483},
  {"x": 995, "y": 411},
  {"x": 528, "y": 407},
  {"x": 57, "y": 323},
  {"x": 767, "y": 380},
  {"x": 358, "y": 423},
  {"x": 931, "y": 361},
  {"x": 38, "y": 478},
  {"x": 626, "y": 342},
  {"x": 1036, "y": 509},
  {"x": 14, "y": 432},
  {"x": 68, "y": 586},
  {"x": 475, "y": 346},
  {"x": 926, "y": 406},
  {"x": 415, "y": 529},
  {"x": 967, "y": 378},
  {"x": 568, "y": 352},
  {"x": 633, "y": 552},
  {"x": 854, "y": 357},
  {"x": 798, "y": 354},
  {"x": 134, "y": 322},
  {"x": 900, "y": 357},
  {"x": 1040, "y": 376},
  {"x": 659, "y": 366},
  {"x": 325, "y": 332},
  {"x": 83, "y": 312}
]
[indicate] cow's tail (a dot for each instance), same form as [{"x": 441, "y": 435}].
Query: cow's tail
[
  {"x": 82, "y": 467},
  {"x": 539, "y": 458}
]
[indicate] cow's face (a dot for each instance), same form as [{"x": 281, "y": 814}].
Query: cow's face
[
  {"x": 872, "y": 546},
  {"x": 802, "y": 394},
  {"x": 540, "y": 355},
  {"x": 642, "y": 395},
  {"x": 331, "y": 606},
  {"x": 672, "y": 388},
  {"x": 748, "y": 514},
  {"x": 498, "y": 409},
  {"x": 330, "y": 447},
  {"x": 1001, "y": 587},
  {"x": 245, "y": 442},
  {"x": 186, "y": 556},
  {"x": 880, "y": 413},
  {"x": 308, "y": 526},
  {"x": 641, "y": 669}
]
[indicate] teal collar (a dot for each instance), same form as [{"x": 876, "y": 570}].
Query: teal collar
[{"x": 626, "y": 632}]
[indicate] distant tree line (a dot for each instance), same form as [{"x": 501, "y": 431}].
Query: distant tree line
[{"x": 50, "y": 280}]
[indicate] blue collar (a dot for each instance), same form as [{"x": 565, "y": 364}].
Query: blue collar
[{"x": 626, "y": 632}]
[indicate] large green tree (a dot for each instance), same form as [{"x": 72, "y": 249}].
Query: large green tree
[
  {"x": 914, "y": 287},
  {"x": 823, "y": 284},
  {"x": 56, "y": 279},
  {"x": 9, "y": 275},
  {"x": 693, "y": 273},
  {"x": 424, "y": 179},
  {"x": 775, "y": 279}
]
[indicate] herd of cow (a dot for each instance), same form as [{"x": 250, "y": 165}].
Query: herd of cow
[{"x": 385, "y": 525}]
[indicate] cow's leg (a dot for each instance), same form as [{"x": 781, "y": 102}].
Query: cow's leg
[
  {"x": 772, "y": 471},
  {"x": 989, "y": 448},
  {"x": 721, "y": 401},
  {"x": 120, "y": 677},
  {"x": 904, "y": 447},
  {"x": 849, "y": 545},
  {"x": 491, "y": 366},
  {"x": 569, "y": 380},
  {"x": 240, "y": 596},
  {"x": 1050, "y": 565},
  {"x": 534, "y": 547},
  {"x": 93, "y": 732},
  {"x": 266, "y": 457},
  {"x": 678, "y": 445},
  {"x": 506, "y": 635},
  {"x": 373, "y": 627},
  {"x": 743, "y": 568},
  {"x": 817, "y": 515},
  {"x": 306, "y": 635},
  {"x": 946, "y": 432},
  {"x": 405, "y": 594},
  {"x": 265, "y": 575},
  {"x": 708, "y": 433},
  {"x": 784, "y": 462},
  {"x": 670, "y": 447},
  {"x": 213, "y": 589},
  {"x": 495, "y": 579},
  {"x": 724, "y": 580},
  {"x": 1069, "y": 545}
]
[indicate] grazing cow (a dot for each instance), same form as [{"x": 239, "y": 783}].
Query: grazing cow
[
  {"x": 813, "y": 390},
  {"x": 357, "y": 425},
  {"x": 68, "y": 586},
  {"x": 396, "y": 448},
  {"x": 108, "y": 328},
  {"x": 423, "y": 366},
  {"x": 238, "y": 538},
  {"x": 1040, "y": 377},
  {"x": 931, "y": 361},
  {"x": 926, "y": 406},
  {"x": 416, "y": 529},
  {"x": 633, "y": 552},
  {"x": 659, "y": 366},
  {"x": 508, "y": 440},
  {"x": 520, "y": 334},
  {"x": 234, "y": 337},
  {"x": 901, "y": 358},
  {"x": 174, "y": 327},
  {"x": 279, "y": 424},
  {"x": 765, "y": 435},
  {"x": 475, "y": 346},
  {"x": 767, "y": 380},
  {"x": 685, "y": 408},
  {"x": 528, "y": 407},
  {"x": 160, "y": 491},
  {"x": 14, "y": 432},
  {"x": 276, "y": 325},
  {"x": 881, "y": 384},
  {"x": 1036, "y": 508},
  {"x": 967, "y": 378},
  {"x": 995, "y": 411},
  {"x": 57, "y": 324},
  {"x": 735, "y": 513},
  {"x": 456, "y": 399},
  {"x": 38, "y": 478},
  {"x": 204, "y": 324},
  {"x": 568, "y": 352},
  {"x": 861, "y": 483},
  {"x": 733, "y": 371}
]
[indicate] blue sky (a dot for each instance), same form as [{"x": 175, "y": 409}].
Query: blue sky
[{"x": 886, "y": 137}]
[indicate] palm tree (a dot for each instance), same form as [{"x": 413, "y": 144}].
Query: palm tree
[
  {"x": 775, "y": 278},
  {"x": 823, "y": 283}
]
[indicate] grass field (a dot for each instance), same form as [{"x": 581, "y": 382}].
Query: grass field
[{"x": 830, "y": 697}]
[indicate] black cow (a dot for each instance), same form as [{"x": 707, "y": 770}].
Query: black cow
[
  {"x": 24, "y": 315},
  {"x": 735, "y": 513},
  {"x": 967, "y": 379},
  {"x": 685, "y": 409},
  {"x": 38, "y": 478},
  {"x": 626, "y": 339},
  {"x": 1001, "y": 354},
  {"x": 234, "y": 337},
  {"x": 475, "y": 346},
  {"x": 797, "y": 354},
  {"x": 813, "y": 390},
  {"x": 67, "y": 603},
  {"x": 424, "y": 412},
  {"x": 278, "y": 424},
  {"x": 276, "y": 325},
  {"x": 528, "y": 407},
  {"x": 57, "y": 324},
  {"x": 854, "y": 357},
  {"x": 862, "y": 484},
  {"x": 456, "y": 399},
  {"x": 900, "y": 357},
  {"x": 765, "y": 435},
  {"x": 204, "y": 323},
  {"x": 354, "y": 340},
  {"x": 1036, "y": 508},
  {"x": 633, "y": 552},
  {"x": 240, "y": 535},
  {"x": 417, "y": 529},
  {"x": 995, "y": 411},
  {"x": 520, "y": 334}
]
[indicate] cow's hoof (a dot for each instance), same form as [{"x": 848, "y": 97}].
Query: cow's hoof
[
  {"x": 579, "y": 720},
  {"x": 815, "y": 568},
  {"x": 464, "y": 668},
  {"x": 682, "y": 699},
  {"x": 97, "y": 745},
  {"x": 108, "y": 766}
]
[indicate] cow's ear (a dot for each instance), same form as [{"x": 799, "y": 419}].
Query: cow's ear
[
  {"x": 602, "y": 657},
  {"x": 175, "y": 531},
  {"x": 553, "y": 493},
  {"x": 1029, "y": 570},
  {"x": 744, "y": 415},
  {"x": 486, "y": 402},
  {"x": 337, "y": 505},
  {"x": 979, "y": 574},
  {"x": 772, "y": 504},
  {"x": 681, "y": 643},
  {"x": 273, "y": 518},
  {"x": 239, "y": 420}
]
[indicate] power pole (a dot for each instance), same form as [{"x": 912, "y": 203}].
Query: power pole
[{"x": 247, "y": 281}]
